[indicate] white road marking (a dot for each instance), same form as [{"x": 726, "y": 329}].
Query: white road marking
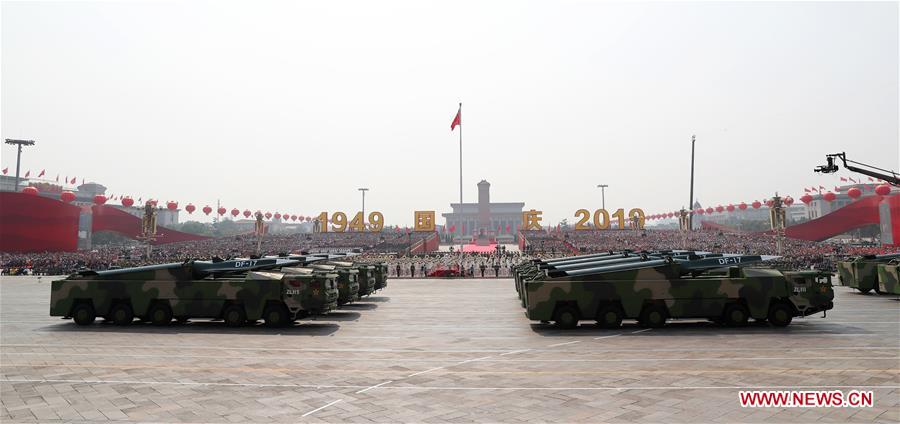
[
  {"x": 566, "y": 343},
  {"x": 641, "y": 331},
  {"x": 182, "y": 383},
  {"x": 606, "y": 337},
  {"x": 321, "y": 408},
  {"x": 514, "y": 352},
  {"x": 423, "y": 372},
  {"x": 375, "y": 386}
]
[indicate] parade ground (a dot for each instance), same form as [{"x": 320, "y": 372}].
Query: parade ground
[{"x": 439, "y": 351}]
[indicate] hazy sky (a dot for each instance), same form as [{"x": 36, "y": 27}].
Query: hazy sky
[{"x": 291, "y": 106}]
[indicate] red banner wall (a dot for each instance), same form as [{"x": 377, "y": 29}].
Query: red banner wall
[
  {"x": 108, "y": 218},
  {"x": 30, "y": 223}
]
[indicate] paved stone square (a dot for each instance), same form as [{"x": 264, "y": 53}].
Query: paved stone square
[{"x": 438, "y": 351}]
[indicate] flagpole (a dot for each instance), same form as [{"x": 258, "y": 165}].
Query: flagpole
[{"x": 460, "y": 169}]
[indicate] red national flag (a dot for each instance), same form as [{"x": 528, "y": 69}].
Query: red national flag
[
  {"x": 836, "y": 188},
  {"x": 29, "y": 173},
  {"x": 870, "y": 179},
  {"x": 5, "y": 170},
  {"x": 73, "y": 180},
  {"x": 853, "y": 181},
  {"x": 452, "y": 228},
  {"x": 42, "y": 173},
  {"x": 57, "y": 177},
  {"x": 457, "y": 120},
  {"x": 843, "y": 179},
  {"x": 806, "y": 190},
  {"x": 821, "y": 188},
  {"x": 507, "y": 228}
]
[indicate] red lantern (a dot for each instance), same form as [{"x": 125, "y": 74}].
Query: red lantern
[
  {"x": 671, "y": 214},
  {"x": 756, "y": 204},
  {"x": 207, "y": 210},
  {"x": 700, "y": 211},
  {"x": 806, "y": 199},
  {"x": 268, "y": 215},
  {"x": 720, "y": 209},
  {"x": 277, "y": 215},
  {"x": 247, "y": 213},
  {"x": 171, "y": 206},
  {"x": 293, "y": 217},
  {"x": 30, "y": 190},
  {"x": 883, "y": 190},
  {"x": 788, "y": 201},
  {"x": 308, "y": 219},
  {"x": 235, "y": 212},
  {"x": 770, "y": 203},
  {"x": 222, "y": 210},
  {"x": 300, "y": 217},
  {"x": 742, "y": 206},
  {"x": 829, "y": 197},
  {"x": 127, "y": 202},
  {"x": 99, "y": 199},
  {"x": 67, "y": 196},
  {"x": 190, "y": 208},
  {"x": 854, "y": 193},
  {"x": 709, "y": 210},
  {"x": 730, "y": 208}
]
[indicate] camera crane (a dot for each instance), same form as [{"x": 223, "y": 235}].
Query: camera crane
[{"x": 830, "y": 167}]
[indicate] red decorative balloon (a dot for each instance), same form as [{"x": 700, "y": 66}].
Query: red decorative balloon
[
  {"x": 709, "y": 210},
  {"x": 854, "y": 193},
  {"x": 99, "y": 199},
  {"x": 770, "y": 203},
  {"x": 127, "y": 202},
  {"x": 720, "y": 209},
  {"x": 829, "y": 197},
  {"x": 171, "y": 206},
  {"x": 235, "y": 212},
  {"x": 806, "y": 198},
  {"x": 730, "y": 208},
  {"x": 268, "y": 215},
  {"x": 222, "y": 210},
  {"x": 788, "y": 201},
  {"x": 883, "y": 190},
  {"x": 207, "y": 210},
  {"x": 190, "y": 208},
  {"x": 756, "y": 204},
  {"x": 247, "y": 213},
  {"x": 67, "y": 196},
  {"x": 742, "y": 206}
]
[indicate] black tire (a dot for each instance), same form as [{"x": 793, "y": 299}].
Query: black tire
[
  {"x": 653, "y": 316},
  {"x": 276, "y": 316},
  {"x": 609, "y": 316},
  {"x": 865, "y": 291},
  {"x": 780, "y": 315},
  {"x": 121, "y": 314},
  {"x": 84, "y": 314},
  {"x": 735, "y": 315},
  {"x": 566, "y": 317},
  {"x": 234, "y": 315},
  {"x": 160, "y": 314}
]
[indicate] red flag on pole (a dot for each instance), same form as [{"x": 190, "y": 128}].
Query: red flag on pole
[
  {"x": 43, "y": 171},
  {"x": 457, "y": 120},
  {"x": 843, "y": 179},
  {"x": 57, "y": 177},
  {"x": 73, "y": 180},
  {"x": 5, "y": 170},
  {"x": 27, "y": 173}
]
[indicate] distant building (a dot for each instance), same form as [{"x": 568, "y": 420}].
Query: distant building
[{"x": 470, "y": 219}]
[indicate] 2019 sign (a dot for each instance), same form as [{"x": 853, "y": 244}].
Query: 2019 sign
[{"x": 601, "y": 219}]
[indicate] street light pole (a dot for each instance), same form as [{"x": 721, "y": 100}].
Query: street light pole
[
  {"x": 363, "y": 190},
  {"x": 603, "y": 194},
  {"x": 20, "y": 143}
]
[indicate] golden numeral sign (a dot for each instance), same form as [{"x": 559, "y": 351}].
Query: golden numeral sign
[
  {"x": 635, "y": 217},
  {"x": 339, "y": 222}
]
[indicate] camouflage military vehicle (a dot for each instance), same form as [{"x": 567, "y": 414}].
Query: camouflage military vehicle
[
  {"x": 347, "y": 282},
  {"x": 861, "y": 273},
  {"x": 889, "y": 277},
  {"x": 381, "y": 275},
  {"x": 237, "y": 291},
  {"x": 654, "y": 288},
  {"x": 366, "y": 278}
]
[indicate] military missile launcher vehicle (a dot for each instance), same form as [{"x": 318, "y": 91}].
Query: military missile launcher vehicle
[
  {"x": 889, "y": 277},
  {"x": 236, "y": 291},
  {"x": 861, "y": 273},
  {"x": 652, "y": 287},
  {"x": 366, "y": 278},
  {"x": 347, "y": 282}
]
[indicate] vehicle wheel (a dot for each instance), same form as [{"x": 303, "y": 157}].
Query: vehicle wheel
[
  {"x": 160, "y": 314},
  {"x": 609, "y": 316},
  {"x": 736, "y": 315},
  {"x": 780, "y": 315},
  {"x": 83, "y": 314},
  {"x": 234, "y": 315},
  {"x": 864, "y": 291},
  {"x": 121, "y": 314},
  {"x": 276, "y": 316},
  {"x": 566, "y": 317},
  {"x": 653, "y": 316}
]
